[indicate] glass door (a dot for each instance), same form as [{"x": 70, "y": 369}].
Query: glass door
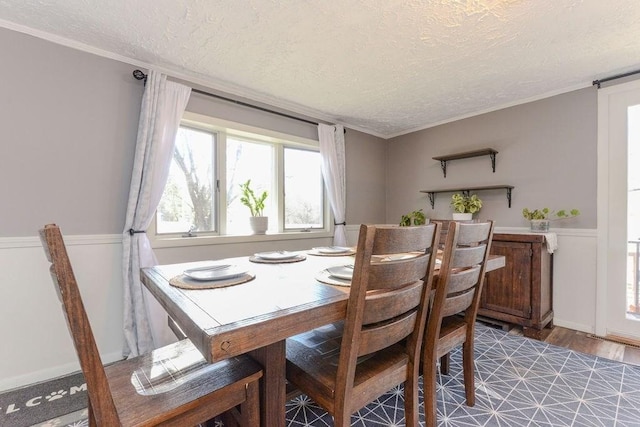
[
  {"x": 633, "y": 213},
  {"x": 618, "y": 310}
]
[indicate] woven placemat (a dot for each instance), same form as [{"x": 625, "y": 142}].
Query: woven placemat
[
  {"x": 259, "y": 260},
  {"x": 185, "y": 282},
  {"x": 325, "y": 277},
  {"x": 318, "y": 253}
]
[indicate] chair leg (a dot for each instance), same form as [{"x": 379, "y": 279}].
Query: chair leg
[
  {"x": 411, "y": 414},
  {"x": 444, "y": 364},
  {"x": 91, "y": 415},
  {"x": 468, "y": 369},
  {"x": 429, "y": 384},
  {"x": 250, "y": 408},
  {"x": 341, "y": 415}
]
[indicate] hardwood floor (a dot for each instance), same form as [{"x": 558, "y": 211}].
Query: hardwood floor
[{"x": 585, "y": 343}]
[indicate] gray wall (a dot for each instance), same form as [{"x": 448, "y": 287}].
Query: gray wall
[
  {"x": 547, "y": 150},
  {"x": 68, "y": 123},
  {"x": 366, "y": 159}
]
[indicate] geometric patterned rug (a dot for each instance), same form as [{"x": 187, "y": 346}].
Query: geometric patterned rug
[{"x": 519, "y": 382}]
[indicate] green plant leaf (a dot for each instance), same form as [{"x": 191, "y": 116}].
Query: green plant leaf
[
  {"x": 249, "y": 199},
  {"x": 413, "y": 218}
]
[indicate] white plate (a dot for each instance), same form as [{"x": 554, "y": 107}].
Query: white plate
[
  {"x": 341, "y": 272},
  {"x": 215, "y": 272},
  {"x": 277, "y": 255},
  {"x": 333, "y": 250}
]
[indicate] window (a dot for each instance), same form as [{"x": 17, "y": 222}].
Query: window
[
  {"x": 303, "y": 189},
  {"x": 213, "y": 158},
  {"x": 188, "y": 201},
  {"x": 248, "y": 160}
]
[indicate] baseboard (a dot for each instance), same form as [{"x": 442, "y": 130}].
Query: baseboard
[
  {"x": 572, "y": 325},
  {"x": 7, "y": 384},
  {"x": 617, "y": 340}
]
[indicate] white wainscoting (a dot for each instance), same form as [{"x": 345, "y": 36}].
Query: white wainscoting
[{"x": 36, "y": 344}]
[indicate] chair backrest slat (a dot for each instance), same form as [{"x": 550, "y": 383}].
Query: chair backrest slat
[
  {"x": 395, "y": 240},
  {"x": 457, "y": 303},
  {"x": 384, "y": 305},
  {"x": 465, "y": 256},
  {"x": 391, "y": 274},
  {"x": 98, "y": 389},
  {"x": 472, "y": 233},
  {"x": 376, "y": 338},
  {"x": 463, "y": 280}
]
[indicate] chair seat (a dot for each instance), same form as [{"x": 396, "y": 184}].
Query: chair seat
[
  {"x": 312, "y": 359},
  {"x": 452, "y": 332},
  {"x": 180, "y": 369}
]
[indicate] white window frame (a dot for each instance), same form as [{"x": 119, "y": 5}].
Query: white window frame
[{"x": 223, "y": 128}]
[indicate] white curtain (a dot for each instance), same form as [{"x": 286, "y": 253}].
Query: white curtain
[
  {"x": 333, "y": 171},
  {"x": 163, "y": 104}
]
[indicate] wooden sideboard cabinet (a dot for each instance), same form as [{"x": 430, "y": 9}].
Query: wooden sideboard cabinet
[{"x": 521, "y": 292}]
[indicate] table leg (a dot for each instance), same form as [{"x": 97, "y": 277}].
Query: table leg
[{"x": 273, "y": 384}]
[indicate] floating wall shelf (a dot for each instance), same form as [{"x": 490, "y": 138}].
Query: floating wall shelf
[
  {"x": 476, "y": 153},
  {"x": 467, "y": 190}
]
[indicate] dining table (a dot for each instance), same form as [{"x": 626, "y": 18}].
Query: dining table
[{"x": 277, "y": 299}]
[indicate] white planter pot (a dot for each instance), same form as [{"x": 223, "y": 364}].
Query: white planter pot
[
  {"x": 540, "y": 225},
  {"x": 462, "y": 216},
  {"x": 259, "y": 224}
]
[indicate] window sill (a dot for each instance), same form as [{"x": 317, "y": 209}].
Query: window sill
[{"x": 173, "y": 242}]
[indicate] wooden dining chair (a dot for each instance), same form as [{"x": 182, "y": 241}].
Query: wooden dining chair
[
  {"x": 345, "y": 365},
  {"x": 454, "y": 307},
  {"x": 171, "y": 386}
]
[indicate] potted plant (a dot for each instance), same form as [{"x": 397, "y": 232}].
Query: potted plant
[
  {"x": 464, "y": 206},
  {"x": 539, "y": 219},
  {"x": 413, "y": 218},
  {"x": 259, "y": 223}
]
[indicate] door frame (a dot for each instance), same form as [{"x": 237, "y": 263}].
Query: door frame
[{"x": 604, "y": 271}]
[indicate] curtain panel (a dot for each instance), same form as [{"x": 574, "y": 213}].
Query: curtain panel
[
  {"x": 163, "y": 105},
  {"x": 332, "y": 151}
]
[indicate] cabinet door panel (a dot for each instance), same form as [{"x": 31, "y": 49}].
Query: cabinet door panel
[{"x": 508, "y": 290}]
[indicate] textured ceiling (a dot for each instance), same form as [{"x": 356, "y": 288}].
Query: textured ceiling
[{"x": 386, "y": 67}]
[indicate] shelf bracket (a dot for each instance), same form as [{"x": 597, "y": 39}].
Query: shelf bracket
[
  {"x": 432, "y": 199},
  {"x": 443, "y": 166},
  {"x": 493, "y": 161},
  {"x": 509, "y": 197}
]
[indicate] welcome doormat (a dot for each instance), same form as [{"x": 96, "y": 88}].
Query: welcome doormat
[{"x": 35, "y": 403}]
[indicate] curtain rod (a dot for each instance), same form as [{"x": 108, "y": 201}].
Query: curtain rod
[
  {"x": 619, "y": 76},
  {"x": 139, "y": 75}
]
